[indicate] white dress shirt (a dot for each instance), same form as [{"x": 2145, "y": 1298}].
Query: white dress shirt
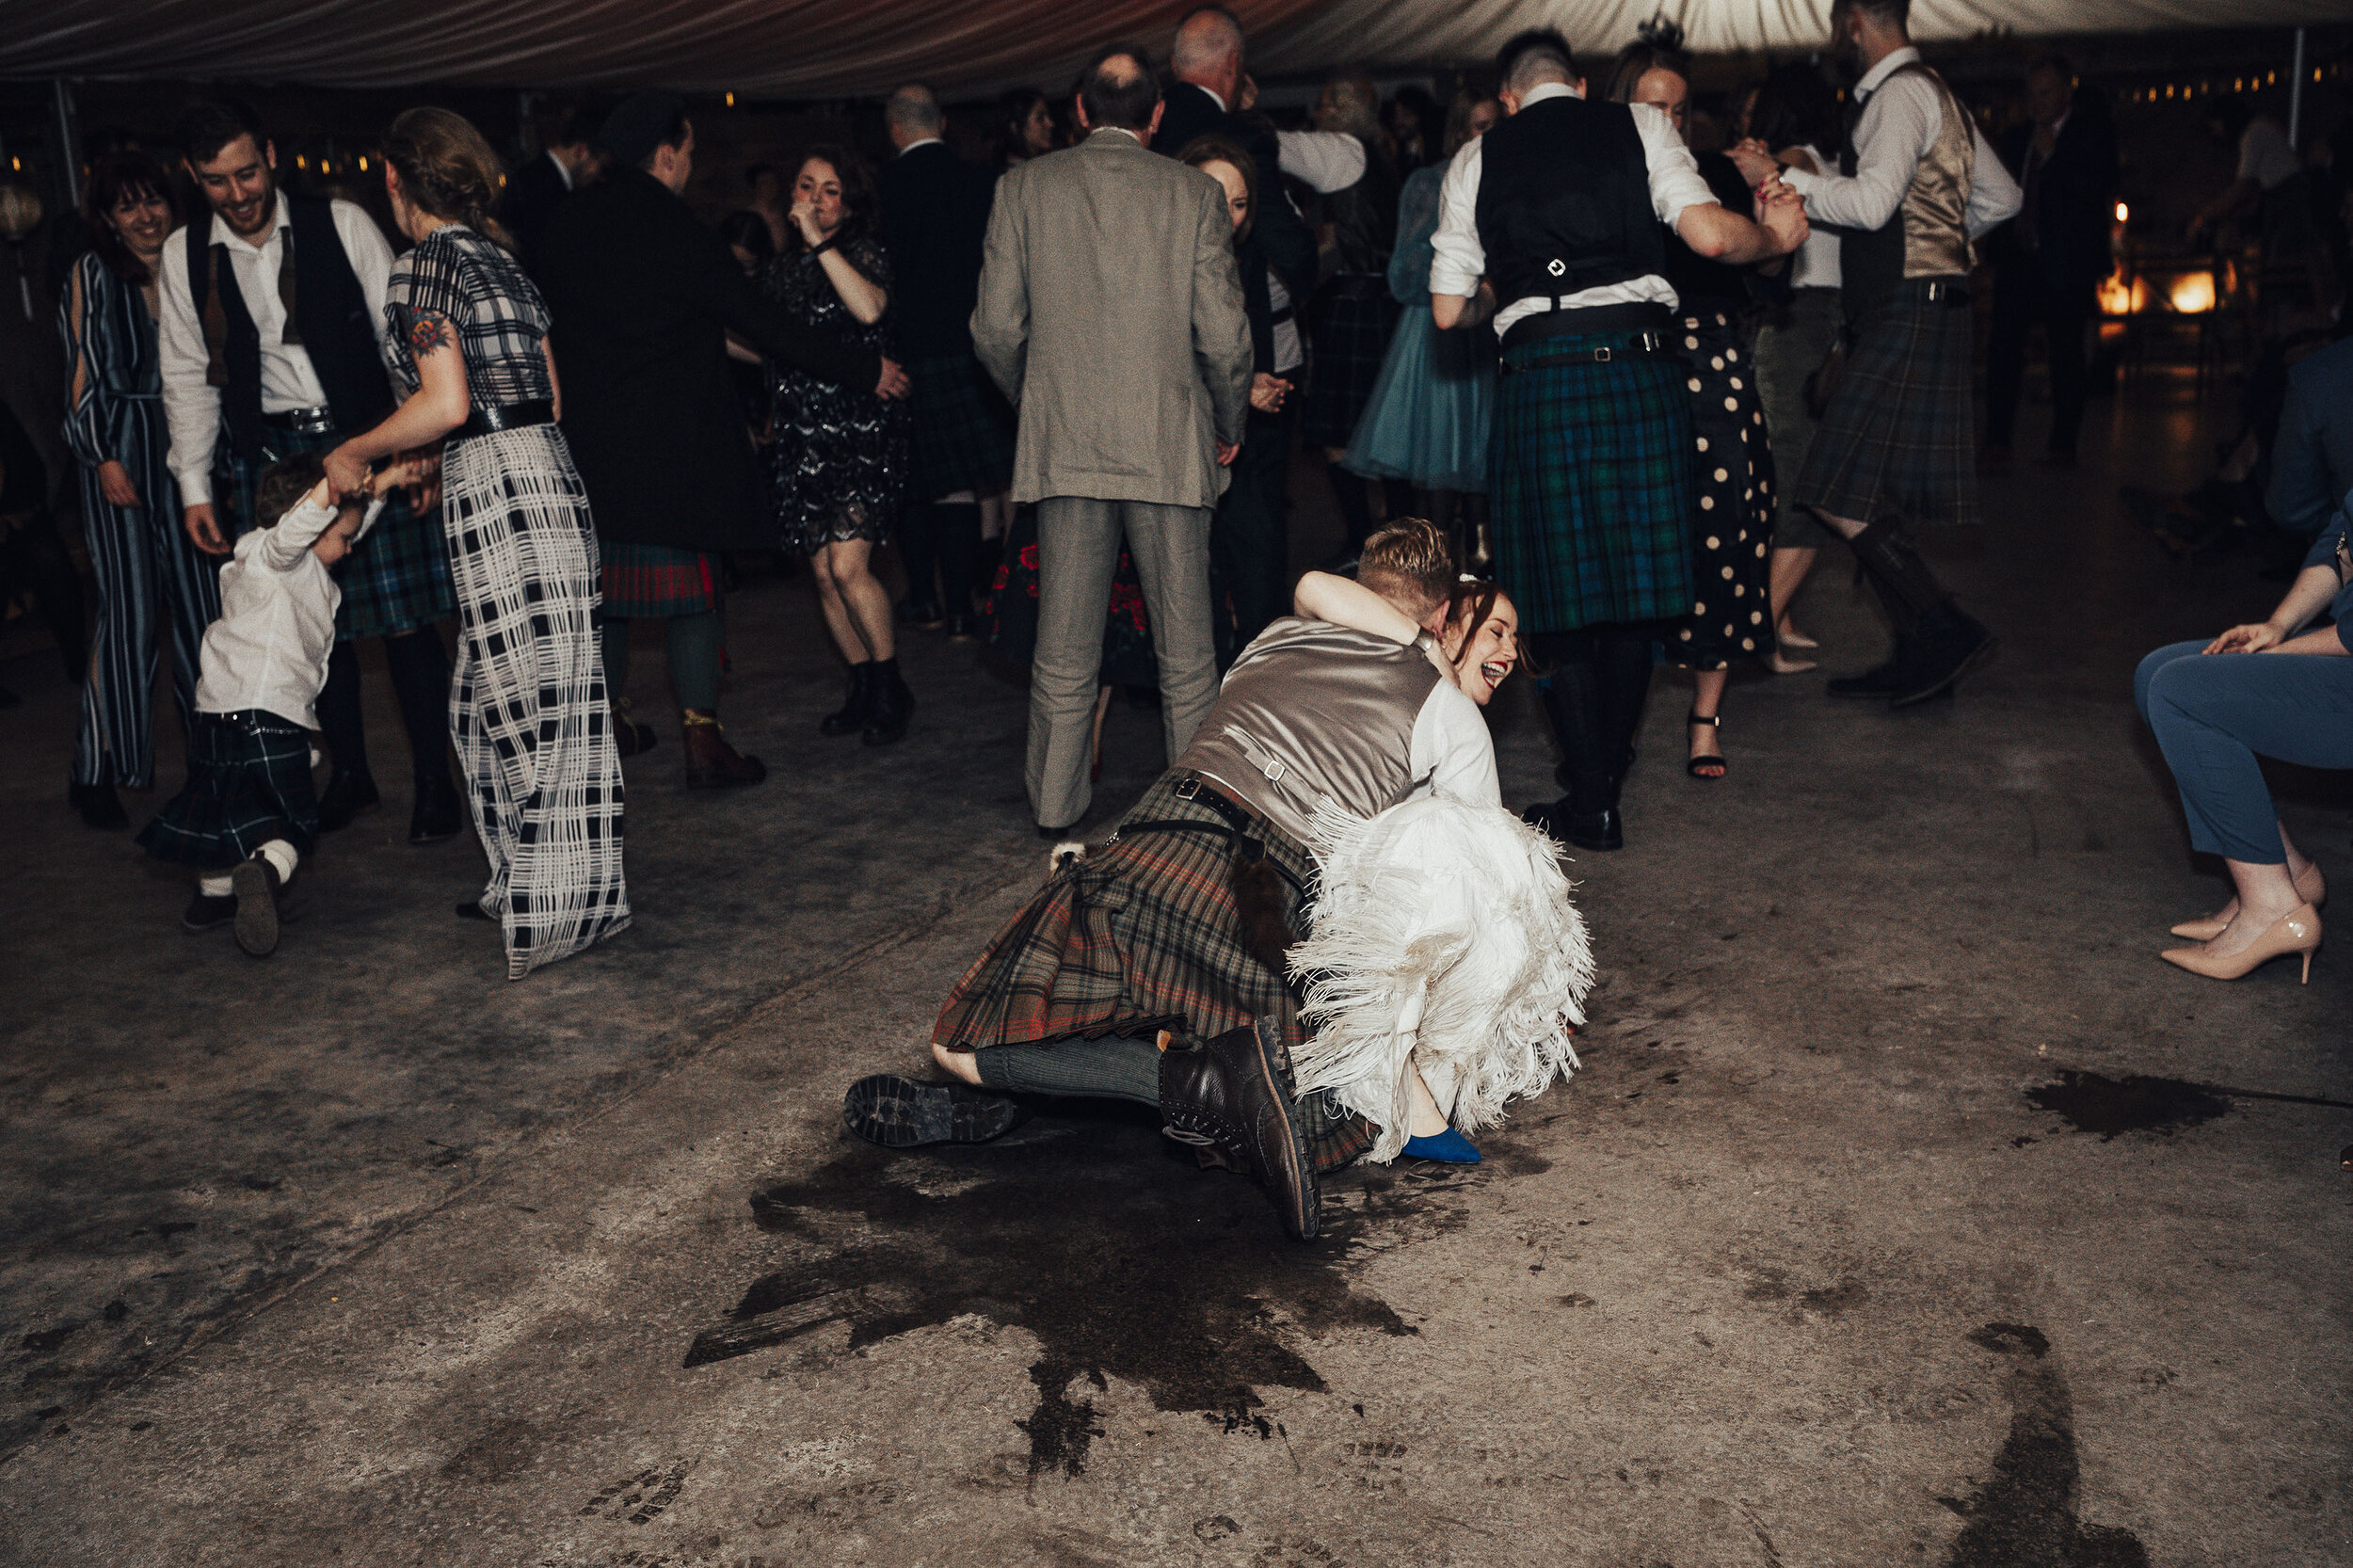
[
  {"x": 1817, "y": 266},
  {"x": 1899, "y": 125},
  {"x": 1453, "y": 753},
  {"x": 1459, "y": 260},
  {"x": 1323, "y": 161},
  {"x": 269, "y": 649},
  {"x": 191, "y": 405},
  {"x": 2265, "y": 155}
]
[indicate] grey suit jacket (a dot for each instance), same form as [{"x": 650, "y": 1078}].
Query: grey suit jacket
[{"x": 1111, "y": 312}]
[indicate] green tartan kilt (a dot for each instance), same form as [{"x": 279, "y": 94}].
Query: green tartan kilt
[
  {"x": 962, "y": 429},
  {"x": 1899, "y": 439},
  {"x": 1144, "y": 934},
  {"x": 249, "y": 782},
  {"x": 1592, "y": 489},
  {"x": 395, "y": 579}
]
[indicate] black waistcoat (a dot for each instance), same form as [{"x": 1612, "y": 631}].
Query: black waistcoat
[
  {"x": 330, "y": 312},
  {"x": 1364, "y": 217},
  {"x": 1564, "y": 201}
]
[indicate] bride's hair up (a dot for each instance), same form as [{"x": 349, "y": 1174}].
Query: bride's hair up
[{"x": 448, "y": 170}]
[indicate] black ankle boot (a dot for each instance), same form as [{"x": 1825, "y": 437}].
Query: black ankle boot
[
  {"x": 436, "y": 814},
  {"x": 852, "y": 716},
  {"x": 1234, "y": 1094},
  {"x": 345, "y": 796},
  {"x": 894, "y": 705},
  {"x": 1951, "y": 645}
]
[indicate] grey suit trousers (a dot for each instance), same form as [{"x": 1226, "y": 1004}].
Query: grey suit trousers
[{"x": 1078, "y": 551}]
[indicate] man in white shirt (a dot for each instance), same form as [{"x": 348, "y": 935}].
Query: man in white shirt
[
  {"x": 271, "y": 321},
  {"x": 1917, "y": 186},
  {"x": 1551, "y": 224}
]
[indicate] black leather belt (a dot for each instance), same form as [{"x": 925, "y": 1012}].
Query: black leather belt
[
  {"x": 1934, "y": 291},
  {"x": 489, "y": 418},
  {"x": 1644, "y": 320},
  {"x": 310, "y": 421}
]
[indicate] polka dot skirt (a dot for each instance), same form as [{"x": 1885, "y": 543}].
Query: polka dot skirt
[{"x": 1733, "y": 509}]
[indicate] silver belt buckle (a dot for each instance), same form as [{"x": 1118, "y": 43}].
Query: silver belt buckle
[
  {"x": 318, "y": 420},
  {"x": 1602, "y": 356}
]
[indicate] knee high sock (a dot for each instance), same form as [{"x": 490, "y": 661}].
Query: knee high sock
[
  {"x": 420, "y": 667},
  {"x": 1348, "y": 489},
  {"x": 339, "y": 718},
  {"x": 956, "y": 538},
  {"x": 694, "y": 643},
  {"x": 278, "y": 852},
  {"x": 613, "y": 631},
  {"x": 1594, "y": 698},
  {"x": 1624, "y": 666},
  {"x": 1107, "y": 1068},
  {"x": 1903, "y": 581}
]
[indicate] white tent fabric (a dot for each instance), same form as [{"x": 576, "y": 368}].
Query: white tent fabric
[{"x": 839, "y": 48}]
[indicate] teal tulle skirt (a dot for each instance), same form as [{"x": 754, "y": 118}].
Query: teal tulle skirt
[{"x": 1432, "y": 410}]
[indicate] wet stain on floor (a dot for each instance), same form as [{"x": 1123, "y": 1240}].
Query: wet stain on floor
[
  {"x": 2024, "y": 1516},
  {"x": 1098, "y": 1236},
  {"x": 2092, "y": 1102}
]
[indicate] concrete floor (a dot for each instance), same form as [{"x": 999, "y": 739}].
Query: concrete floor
[{"x": 1863, "y": 1238}]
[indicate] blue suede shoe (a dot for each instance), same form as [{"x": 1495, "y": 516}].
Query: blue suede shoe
[{"x": 1449, "y": 1147}]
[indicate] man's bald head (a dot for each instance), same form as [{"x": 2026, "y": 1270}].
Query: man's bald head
[
  {"x": 1208, "y": 51},
  {"x": 912, "y": 114},
  {"x": 1118, "y": 88}
]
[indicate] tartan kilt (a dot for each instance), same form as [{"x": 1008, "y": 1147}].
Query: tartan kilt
[
  {"x": 1732, "y": 516},
  {"x": 1142, "y": 934},
  {"x": 1592, "y": 483},
  {"x": 962, "y": 429},
  {"x": 1898, "y": 438},
  {"x": 655, "y": 581},
  {"x": 395, "y": 579},
  {"x": 1354, "y": 318},
  {"x": 249, "y": 782}
]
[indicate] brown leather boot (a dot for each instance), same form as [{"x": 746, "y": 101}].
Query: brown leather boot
[
  {"x": 710, "y": 763},
  {"x": 1234, "y": 1094}
]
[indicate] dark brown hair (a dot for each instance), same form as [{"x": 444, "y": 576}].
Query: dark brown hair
[
  {"x": 210, "y": 125},
  {"x": 1469, "y": 604},
  {"x": 113, "y": 177},
  {"x": 283, "y": 485},
  {"x": 1217, "y": 150},
  {"x": 448, "y": 170}
]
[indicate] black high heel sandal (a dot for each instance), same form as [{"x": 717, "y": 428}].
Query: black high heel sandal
[{"x": 1715, "y": 722}]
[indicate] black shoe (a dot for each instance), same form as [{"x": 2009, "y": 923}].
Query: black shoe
[
  {"x": 256, "y": 885},
  {"x": 208, "y": 911},
  {"x": 900, "y": 1114},
  {"x": 852, "y": 716},
  {"x": 1951, "y": 645},
  {"x": 100, "y": 807},
  {"x": 921, "y": 613},
  {"x": 961, "y": 629},
  {"x": 1594, "y": 830},
  {"x": 1882, "y": 680},
  {"x": 1234, "y": 1094},
  {"x": 436, "y": 815},
  {"x": 630, "y": 738},
  {"x": 894, "y": 705},
  {"x": 345, "y": 796}
]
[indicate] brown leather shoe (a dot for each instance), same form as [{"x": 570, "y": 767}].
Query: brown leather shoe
[
  {"x": 710, "y": 763},
  {"x": 1234, "y": 1094}
]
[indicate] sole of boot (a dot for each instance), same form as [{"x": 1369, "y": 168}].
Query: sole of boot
[
  {"x": 257, "y": 909},
  {"x": 1943, "y": 684},
  {"x": 1306, "y": 1221},
  {"x": 900, "y": 1114}
]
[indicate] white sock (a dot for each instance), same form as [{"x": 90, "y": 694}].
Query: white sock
[
  {"x": 216, "y": 886},
  {"x": 281, "y": 854}
]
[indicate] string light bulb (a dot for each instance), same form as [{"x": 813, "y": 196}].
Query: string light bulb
[
  {"x": 2124, "y": 212},
  {"x": 730, "y": 100},
  {"x": 363, "y": 164}
]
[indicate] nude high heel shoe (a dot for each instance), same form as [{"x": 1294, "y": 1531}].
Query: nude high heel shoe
[
  {"x": 2309, "y": 887},
  {"x": 2297, "y": 931}
]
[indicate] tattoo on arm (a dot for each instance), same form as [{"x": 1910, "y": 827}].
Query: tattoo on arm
[{"x": 429, "y": 333}]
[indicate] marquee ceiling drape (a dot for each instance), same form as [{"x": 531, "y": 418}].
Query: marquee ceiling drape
[{"x": 840, "y": 48}]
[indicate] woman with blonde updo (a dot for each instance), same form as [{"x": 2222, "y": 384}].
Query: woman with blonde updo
[{"x": 469, "y": 339}]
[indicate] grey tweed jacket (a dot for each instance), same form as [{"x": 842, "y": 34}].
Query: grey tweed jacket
[{"x": 1111, "y": 312}]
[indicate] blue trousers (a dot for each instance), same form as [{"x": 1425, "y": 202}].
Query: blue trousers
[{"x": 2215, "y": 715}]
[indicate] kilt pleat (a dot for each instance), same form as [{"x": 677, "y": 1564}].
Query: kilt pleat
[
  {"x": 1141, "y": 935},
  {"x": 249, "y": 782},
  {"x": 1354, "y": 317},
  {"x": 1898, "y": 438},
  {"x": 654, "y": 580},
  {"x": 1592, "y": 487}
]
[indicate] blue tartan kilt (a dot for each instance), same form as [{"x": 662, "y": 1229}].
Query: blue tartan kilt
[
  {"x": 963, "y": 431},
  {"x": 395, "y": 580},
  {"x": 249, "y": 782},
  {"x": 1592, "y": 487},
  {"x": 1354, "y": 318}
]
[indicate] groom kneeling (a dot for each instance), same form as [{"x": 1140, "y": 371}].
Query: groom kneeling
[{"x": 1151, "y": 970}]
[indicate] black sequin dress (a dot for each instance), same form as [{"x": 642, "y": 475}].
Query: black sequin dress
[{"x": 838, "y": 459}]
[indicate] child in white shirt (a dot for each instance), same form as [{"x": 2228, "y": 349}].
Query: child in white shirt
[{"x": 247, "y": 812}]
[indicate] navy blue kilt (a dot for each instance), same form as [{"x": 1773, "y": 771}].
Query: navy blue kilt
[
  {"x": 1898, "y": 438},
  {"x": 962, "y": 429},
  {"x": 249, "y": 782},
  {"x": 1354, "y": 317},
  {"x": 1592, "y": 483}
]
